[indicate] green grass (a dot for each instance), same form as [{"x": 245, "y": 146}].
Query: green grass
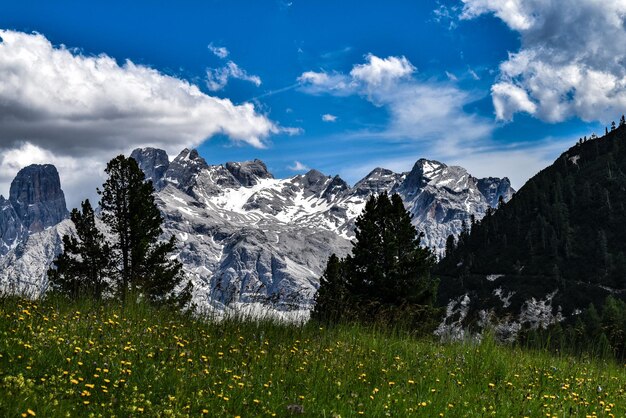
[{"x": 61, "y": 359}]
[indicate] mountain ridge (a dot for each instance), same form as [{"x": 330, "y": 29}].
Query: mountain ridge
[{"x": 247, "y": 237}]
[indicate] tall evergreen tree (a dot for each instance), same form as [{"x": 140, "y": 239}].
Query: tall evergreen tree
[
  {"x": 129, "y": 210},
  {"x": 331, "y": 298},
  {"x": 84, "y": 267},
  {"x": 450, "y": 245},
  {"x": 388, "y": 272}
]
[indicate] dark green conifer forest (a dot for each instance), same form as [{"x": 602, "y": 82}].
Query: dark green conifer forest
[{"x": 562, "y": 232}]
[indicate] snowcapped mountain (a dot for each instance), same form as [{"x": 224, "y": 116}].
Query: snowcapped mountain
[{"x": 245, "y": 236}]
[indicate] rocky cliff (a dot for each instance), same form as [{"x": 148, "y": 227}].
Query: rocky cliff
[{"x": 35, "y": 202}]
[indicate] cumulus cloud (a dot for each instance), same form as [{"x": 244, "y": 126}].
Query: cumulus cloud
[
  {"x": 218, "y": 51},
  {"x": 327, "y": 117},
  {"x": 423, "y": 110},
  {"x": 217, "y": 78},
  {"x": 376, "y": 72},
  {"x": 298, "y": 166},
  {"x": 67, "y": 106},
  {"x": 571, "y": 62},
  {"x": 428, "y": 118}
]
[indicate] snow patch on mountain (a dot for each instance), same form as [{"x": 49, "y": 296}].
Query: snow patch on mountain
[{"x": 245, "y": 237}]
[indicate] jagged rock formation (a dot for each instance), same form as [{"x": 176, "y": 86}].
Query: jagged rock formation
[
  {"x": 492, "y": 188},
  {"x": 23, "y": 270},
  {"x": 35, "y": 203},
  {"x": 37, "y": 197},
  {"x": 249, "y": 173},
  {"x": 246, "y": 237},
  {"x": 154, "y": 163}
]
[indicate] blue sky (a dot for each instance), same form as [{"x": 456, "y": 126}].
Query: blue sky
[{"x": 397, "y": 81}]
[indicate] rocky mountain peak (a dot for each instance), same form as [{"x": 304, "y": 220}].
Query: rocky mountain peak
[
  {"x": 184, "y": 169},
  {"x": 248, "y": 173},
  {"x": 421, "y": 173},
  {"x": 377, "y": 181},
  {"x": 154, "y": 163},
  {"x": 37, "y": 198},
  {"x": 492, "y": 188},
  {"x": 336, "y": 186},
  {"x": 11, "y": 228}
]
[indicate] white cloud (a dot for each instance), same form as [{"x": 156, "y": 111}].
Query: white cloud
[
  {"x": 218, "y": 51},
  {"x": 571, "y": 62},
  {"x": 217, "y": 78},
  {"x": 298, "y": 166},
  {"x": 429, "y": 119},
  {"x": 446, "y": 15},
  {"x": 424, "y": 110},
  {"x": 378, "y": 72},
  {"x": 67, "y": 105},
  {"x": 327, "y": 117},
  {"x": 321, "y": 82},
  {"x": 507, "y": 97},
  {"x": 451, "y": 76},
  {"x": 516, "y": 13}
]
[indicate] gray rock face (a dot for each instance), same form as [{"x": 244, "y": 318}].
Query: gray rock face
[
  {"x": 23, "y": 270},
  {"x": 492, "y": 188},
  {"x": 182, "y": 172},
  {"x": 154, "y": 163},
  {"x": 249, "y": 173},
  {"x": 246, "y": 237},
  {"x": 11, "y": 227},
  {"x": 37, "y": 197},
  {"x": 378, "y": 181}
]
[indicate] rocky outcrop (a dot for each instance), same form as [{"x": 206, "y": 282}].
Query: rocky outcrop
[
  {"x": 183, "y": 171},
  {"x": 249, "y": 173},
  {"x": 36, "y": 202},
  {"x": 154, "y": 163},
  {"x": 37, "y": 197},
  {"x": 11, "y": 227},
  {"x": 493, "y": 188}
]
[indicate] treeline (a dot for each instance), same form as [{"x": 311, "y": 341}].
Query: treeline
[{"x": 130, "y": 258}]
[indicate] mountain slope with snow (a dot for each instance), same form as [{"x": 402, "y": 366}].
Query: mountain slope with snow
[{"x": 247, "y": 237}]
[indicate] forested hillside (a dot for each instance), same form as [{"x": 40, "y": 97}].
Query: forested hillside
[{"x": 561, "y": 235}]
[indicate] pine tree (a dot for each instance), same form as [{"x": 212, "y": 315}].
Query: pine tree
[
  {"x": 450, "y": 245},
  {"x": 331, "y": 297},
  {"x": 129, "y": 210},
  {"x": 84, "y": 267},
  {"x": 388, "y": 272}
]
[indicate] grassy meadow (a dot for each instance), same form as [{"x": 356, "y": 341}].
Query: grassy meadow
[{"x": 59, "y": 359}]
